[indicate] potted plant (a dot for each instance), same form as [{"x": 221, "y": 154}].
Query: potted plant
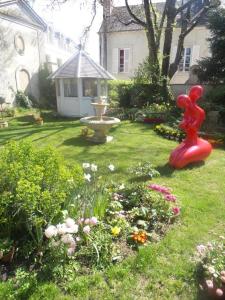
[
  {"x": 39, "y": 120},
  {"x": 3, "y": 123},
  {"x": 7, "y": 250}
]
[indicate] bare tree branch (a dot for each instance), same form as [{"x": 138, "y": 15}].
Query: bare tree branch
[
  {"x": 154, "y": 15},
  {"x": 139, "y": 21}
]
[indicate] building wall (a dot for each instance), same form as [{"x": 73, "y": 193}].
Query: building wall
[
  {"x": 19, "y": 71},
  {"x": 12, "y": 78},
  {"x": 136, "y": 41}
]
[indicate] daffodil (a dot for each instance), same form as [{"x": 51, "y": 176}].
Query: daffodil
[{"x": 115, "y": 230}]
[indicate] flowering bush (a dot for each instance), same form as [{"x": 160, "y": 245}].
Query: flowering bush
[
  {"x": 140, "y": 212},
  {"x": 86, "y": 240},
  {"x": 144, "y": 169},
  {"x": 34, "y": 187},
  {"x": 211, "y": 264},
  {"x": 169, "y": 132}
]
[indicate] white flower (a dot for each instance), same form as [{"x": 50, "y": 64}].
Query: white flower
[
  {"x": 68, "y": 239},
  {"x": 73, "y": 229},
  {"x": 87, "y": 177},
  {"x": 209, "y": 284},
  {"x": 211, "y": 270},
  {"x": 61, "y": 229},
  {"x": 94, "y": 167},
  {"x": 70, "y": 251},
  {"x": 78, "y": 239},
  {"x": 121, "y": 187},
  {"x": 69, "y": 222},
  {"x": 86, "y": 165},
  {"x": 201, "y": 249},
  {"x": 111, "y": 167},
  {"x": 51, "y": 231},
  {"x": 87, "y": 221},
  {"x": 93, "y": 221},
  {"x": 86, "y": 229}
]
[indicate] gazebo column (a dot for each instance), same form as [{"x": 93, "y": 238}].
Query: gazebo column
[
  {"x": 61, "y": 97},
  {"x": 80, "y": 93},
  {"x": 98, "y": 88}
]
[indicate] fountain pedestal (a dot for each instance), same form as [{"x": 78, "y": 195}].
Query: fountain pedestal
[{"x": 100, "y": 124}]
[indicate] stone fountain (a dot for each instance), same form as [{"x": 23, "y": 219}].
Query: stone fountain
[{"x": 100, "y": 124}]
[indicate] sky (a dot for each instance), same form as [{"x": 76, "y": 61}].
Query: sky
[{"x": 71, "y": 19}]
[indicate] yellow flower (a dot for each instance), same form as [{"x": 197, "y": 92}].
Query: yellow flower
[{"x": 115, "y": 230}]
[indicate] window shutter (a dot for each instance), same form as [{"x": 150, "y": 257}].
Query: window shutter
[
  {"x": 126, "y": 60},
  {"x": 115, "y": 61},
  {"x": 195, "y": 54},
  {"x": 173, "y": 54}
]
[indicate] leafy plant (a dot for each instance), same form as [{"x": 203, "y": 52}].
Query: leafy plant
[
  {"x": 169, "y": 132},
  {"x": 22, "y": 100},
  {"x": 144, "y": 169},
  {"x": 34, "y": 187}
]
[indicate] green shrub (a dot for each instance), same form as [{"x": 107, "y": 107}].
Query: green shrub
[
  {"x": 34, "y": 187},
  {"x": 129, "y": 94},
  {"x": 22, "y": 100},
  {"x": 47, "y": 89},
  {"x": 9, "y": 112}
]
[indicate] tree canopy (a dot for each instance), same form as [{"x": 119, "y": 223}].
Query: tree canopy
[{"x": 212, "y": 69}]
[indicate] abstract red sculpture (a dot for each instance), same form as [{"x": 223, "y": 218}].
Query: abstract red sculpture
[{"x": 193, "y": 148}]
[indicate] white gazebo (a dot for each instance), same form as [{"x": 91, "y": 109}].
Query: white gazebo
[{"x": 79, "y": 82}]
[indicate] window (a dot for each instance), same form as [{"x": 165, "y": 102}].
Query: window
[
  {"x": 90, "y": 87},
  {"x": 124, "y": 60},
  {"x": 70, "y": 87},
  {"x": 185, "y": 62},
  {"x": 19, "y": 44}
]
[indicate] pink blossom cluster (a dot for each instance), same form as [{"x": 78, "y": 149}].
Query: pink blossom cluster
[
  {"x": 168, "y": 196},
  {"x": 70, "y": 232}
]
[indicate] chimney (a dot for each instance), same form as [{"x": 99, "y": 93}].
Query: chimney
[{"x": 107, "y": 8}]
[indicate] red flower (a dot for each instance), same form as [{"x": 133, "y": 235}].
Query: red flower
[{"x": 176, "y": 210}]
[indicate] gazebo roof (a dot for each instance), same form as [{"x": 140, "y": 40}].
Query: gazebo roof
[{"x": 81, "y": 65}]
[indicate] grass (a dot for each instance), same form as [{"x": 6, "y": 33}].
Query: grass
[{"x": 160, "y": 271}]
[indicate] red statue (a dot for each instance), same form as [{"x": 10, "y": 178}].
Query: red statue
[{"x": 193, "y": 148}]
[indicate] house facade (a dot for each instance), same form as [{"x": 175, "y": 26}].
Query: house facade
[
  {"x": 26, "y": 45},
  {"x": 123, "y": 44}
]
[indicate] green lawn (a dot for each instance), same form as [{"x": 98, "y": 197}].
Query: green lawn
[{"x": 160, "y": 271}]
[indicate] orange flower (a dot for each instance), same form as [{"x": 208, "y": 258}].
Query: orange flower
[{"x": 140, "y": 237}]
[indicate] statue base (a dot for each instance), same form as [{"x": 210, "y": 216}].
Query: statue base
[{"x": 187, "y": 153}]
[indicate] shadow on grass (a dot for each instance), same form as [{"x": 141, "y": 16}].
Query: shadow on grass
[
  {"x": 80, "y": 141},
  {"x": 139, "y": 179},
  {"x": 167, "y": 171}
]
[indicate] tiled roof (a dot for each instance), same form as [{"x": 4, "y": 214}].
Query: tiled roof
[
  {"x": 120, "y": 20},
  {"x": 81, "y": 65}
]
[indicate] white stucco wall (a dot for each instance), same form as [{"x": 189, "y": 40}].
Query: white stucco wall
[
  {"x": 136, "y": 41},
  {"x": 11, "y": 62}
]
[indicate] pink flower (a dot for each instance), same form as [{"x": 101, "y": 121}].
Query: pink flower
[
  {"x": 86, "y": 229},
  {"x": 219, "y": 292},
  {"x": 170, "y": 197},
  {"x": 70, "y": 251},
  {"x": 93, "y": 221},
  {"x": 176, "y": 210},
  {"x": 201, "y": 249},
  {"x": 87, "y": 221},
  {"x": 159, "y": 188}
]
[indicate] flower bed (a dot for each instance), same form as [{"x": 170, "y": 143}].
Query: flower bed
[
  {"x": 59, "y": 221},
  {"x": 211, "y": 266},
  {"x": 169, "y": 132}
]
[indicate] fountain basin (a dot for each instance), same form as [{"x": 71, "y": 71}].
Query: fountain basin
[{"x": 101, "y": 127}]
